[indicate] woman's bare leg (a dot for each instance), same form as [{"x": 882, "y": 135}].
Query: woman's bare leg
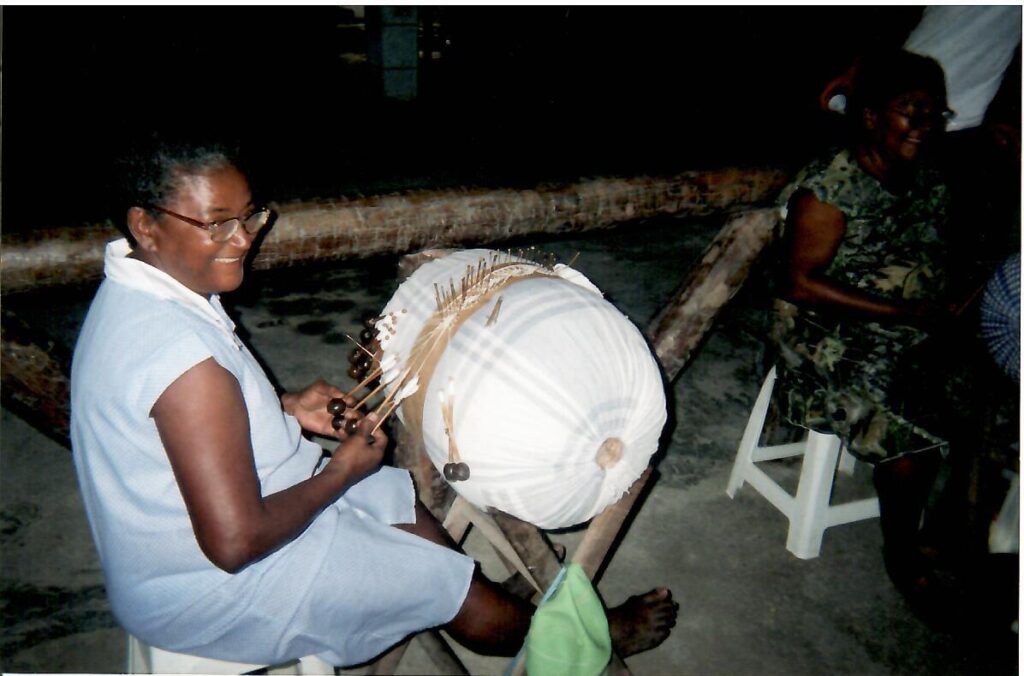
[
  {"x": 494, "y": 622},
  {"x": 903, "y": 484},
  {"x": 491, "y": 621}
]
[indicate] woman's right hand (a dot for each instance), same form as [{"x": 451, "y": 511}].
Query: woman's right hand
[
  {"x": 934, "y": 316},
  {"x": 359, "y": 454}
]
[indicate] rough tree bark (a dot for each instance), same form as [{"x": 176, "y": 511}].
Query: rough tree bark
[
  {"x": 36, "y": 372},
  {"x": 337, "y": 229},
  {"x": 684, "y": 322}
]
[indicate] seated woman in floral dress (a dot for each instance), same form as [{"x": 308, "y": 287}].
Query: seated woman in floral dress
[{"x": 864, "y": 281}]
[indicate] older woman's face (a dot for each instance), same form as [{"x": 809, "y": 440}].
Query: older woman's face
[
  {"x": 907, "y": 124},
  {"x": 185, "y": 251}
]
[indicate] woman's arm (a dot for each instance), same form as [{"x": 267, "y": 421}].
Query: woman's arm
[
  {"x": 204, "y": 425},
  {"x": 814, "y": 230}
]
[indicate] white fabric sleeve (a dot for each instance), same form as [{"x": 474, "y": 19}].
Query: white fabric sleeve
[
  {"x": 169, "y": 359},
  {"x": 974, "y": 44}
]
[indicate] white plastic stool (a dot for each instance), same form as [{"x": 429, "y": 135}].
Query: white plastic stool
[
  {"x": 809, "y": 511},
  {"x": 145, "y": 659}
]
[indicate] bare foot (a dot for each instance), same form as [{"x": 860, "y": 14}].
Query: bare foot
[{"x": 642, "y": 622}]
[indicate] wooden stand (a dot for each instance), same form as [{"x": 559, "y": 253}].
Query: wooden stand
[
  {"x": 522, "y": 547},
  {"x": 674, "y": 334}
]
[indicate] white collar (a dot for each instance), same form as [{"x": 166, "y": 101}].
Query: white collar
[{"x": 141, "y": 276}]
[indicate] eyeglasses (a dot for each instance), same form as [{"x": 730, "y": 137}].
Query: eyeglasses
[
  {"x": 918, "y": 116},
  {"x": 221, "y": 231}
]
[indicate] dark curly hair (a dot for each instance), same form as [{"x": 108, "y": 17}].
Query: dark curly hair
[
  {"x": 884, "y": 75},
  {"x": 152, "y": 172}
]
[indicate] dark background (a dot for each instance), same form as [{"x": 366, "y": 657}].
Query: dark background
[{"x": 515, "y": 95}]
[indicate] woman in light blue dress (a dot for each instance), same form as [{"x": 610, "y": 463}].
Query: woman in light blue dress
[{"x": 220, "y": 530}]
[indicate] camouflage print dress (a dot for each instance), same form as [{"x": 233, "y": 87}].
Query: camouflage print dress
[{"x": 836, "y": 375}]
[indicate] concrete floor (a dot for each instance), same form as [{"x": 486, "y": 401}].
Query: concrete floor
[{"x": 748, "y": 606}]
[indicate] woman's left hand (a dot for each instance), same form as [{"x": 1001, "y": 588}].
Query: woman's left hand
[{"x": 309, "y": 406}]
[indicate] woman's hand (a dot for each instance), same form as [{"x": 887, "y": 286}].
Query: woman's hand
[
  {"x": 360, "y": 453},
  {"x": 935, "y": 316},
  {"x": 309, "y": 406}
]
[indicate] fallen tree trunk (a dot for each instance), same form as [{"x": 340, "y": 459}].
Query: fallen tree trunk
[
  {"x": 36, "y": 378},
  {"x": 335, "y": 229},
  {"x": 36, "y": 369},
  {"x": 683, "y": 323}
]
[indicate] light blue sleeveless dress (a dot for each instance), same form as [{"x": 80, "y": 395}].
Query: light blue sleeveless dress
[{"x": 345, "y": 589}]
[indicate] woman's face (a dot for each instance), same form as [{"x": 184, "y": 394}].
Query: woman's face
[
  {"x": 185, "y": 251},
  {"x": 907, "y": 124}
]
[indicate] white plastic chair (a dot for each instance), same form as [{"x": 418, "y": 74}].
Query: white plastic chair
[
  {"x": 1004, "y": 533},
  {"x": 809, "y": 511},
  {"x": 146, "y": 659}
]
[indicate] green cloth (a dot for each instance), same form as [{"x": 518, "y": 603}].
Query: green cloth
[{"x": 569, "y": 632}]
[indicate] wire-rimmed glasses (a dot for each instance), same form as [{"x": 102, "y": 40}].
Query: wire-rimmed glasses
[{"x": 221, "y": 231}]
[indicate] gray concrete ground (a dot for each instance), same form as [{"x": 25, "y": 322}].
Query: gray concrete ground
[{"x": 748, "y": 606}]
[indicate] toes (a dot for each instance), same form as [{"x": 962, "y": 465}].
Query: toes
[
  {"x": 663, "y": 593},
  {"x": 666, "y": 618},
  {"x": 644, "y": 621},
  {"x": 667, "y": 613},
  {"x": 656, "y": 595}
]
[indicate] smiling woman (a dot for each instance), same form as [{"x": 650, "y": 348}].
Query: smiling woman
[
  {"x": 205, "y": 252},
  {"x": 222, "y": 529},
  {"x": 862, "y": 246},
  {"x": 203, "y": 494},
  {"x": 864, "y": 282}
]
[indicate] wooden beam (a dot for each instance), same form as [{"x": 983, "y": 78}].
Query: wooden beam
[
  {"x": 35, "y": 376},
  {"x": 436, "y": 648},
  {"x": 389, "y": 224},
  {"x": 433, "y": 491},
  {"x": 440, "y": 653},
  {"x": 727, "y": 261},
  {"x": 604, "y": 529},
  {"x": 36, "y": 369},
  {"x": 532, "y": 547}
]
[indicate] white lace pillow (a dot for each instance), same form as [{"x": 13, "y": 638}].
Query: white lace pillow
[{"x": 532, "y": 393}]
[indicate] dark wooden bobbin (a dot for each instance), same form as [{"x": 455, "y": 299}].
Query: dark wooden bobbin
[{"x": 455, "y": 471}]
